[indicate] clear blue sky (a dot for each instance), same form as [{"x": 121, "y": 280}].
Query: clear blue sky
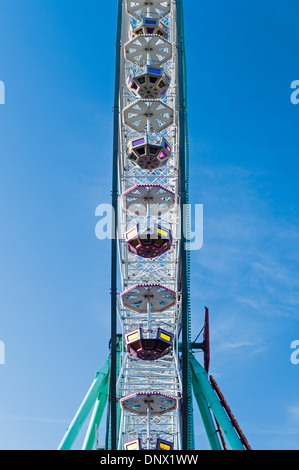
[{"x": 57, "y": 63}]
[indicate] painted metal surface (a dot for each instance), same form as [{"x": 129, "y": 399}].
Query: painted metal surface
[
  {"x": 203, "y": 385},
  {"x": 97, "y": 391}
]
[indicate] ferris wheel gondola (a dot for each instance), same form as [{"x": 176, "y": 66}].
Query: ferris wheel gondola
[{"x": 138, "y": 8}]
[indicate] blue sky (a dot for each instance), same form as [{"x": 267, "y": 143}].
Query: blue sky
[{"x": 57, "y": 63}]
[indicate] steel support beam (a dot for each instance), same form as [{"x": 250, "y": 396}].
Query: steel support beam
[
  {"x": 204, "y": 386},
  {"x": 205, "y": 412},
  {"x": 98, "y": 385},
  {"x": 186, "y": 401},
  {"x": 96, "y": 418},
  {"x": 113, "y": 367}
]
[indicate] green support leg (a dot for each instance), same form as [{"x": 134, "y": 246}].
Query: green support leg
[
  {"x": 96, "y": 417},
  {"x": 213, "y": 402},
  {"x": 207, "y": 419},
  {"x": 86, "y": 406}
]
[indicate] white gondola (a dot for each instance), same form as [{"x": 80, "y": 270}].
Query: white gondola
[
  {"x": 148, "y": 48},
  {"x": 138, "y": 8},
  {"x": 149, "y": 200},
  {"x": 142, "y": 115},
  {"x": 158, "y": 403},
  {"x": 161, "y": 298}
]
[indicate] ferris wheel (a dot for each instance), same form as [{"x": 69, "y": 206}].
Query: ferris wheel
[{"x": 151, "y": 374}]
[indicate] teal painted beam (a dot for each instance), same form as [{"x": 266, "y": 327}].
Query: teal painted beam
[
  {"x": 212, "y": 399},
  {"x": 96, "y": 416},
  {"x": 207, "y": 419},
  {"x": 85, "y": 408},
  {"x": 119, "y": 355},
  {"x": 186, "y": 423}
]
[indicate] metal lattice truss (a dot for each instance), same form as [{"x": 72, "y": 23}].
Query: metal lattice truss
[
  {"x": 162, "y": 379},
  {"x": 149, "y": 198}
]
